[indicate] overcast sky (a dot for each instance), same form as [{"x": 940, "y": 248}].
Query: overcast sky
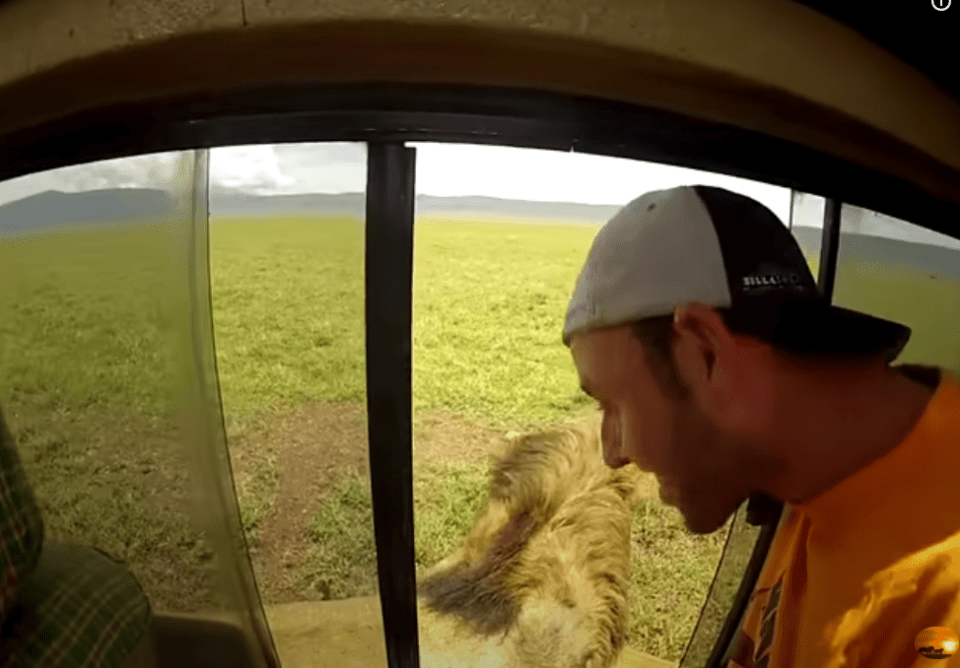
[{"x": 442, "y": 170}]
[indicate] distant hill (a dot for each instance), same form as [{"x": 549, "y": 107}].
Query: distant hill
[
  {"x": 882, "y": 250},
  {"x": 258, "y": 206},
  {"x": 57, "y": 208},
  {"x": 131, "y": 204},
  {"x": 511, "y": 208},
  {"x": 426, "y": 205}
]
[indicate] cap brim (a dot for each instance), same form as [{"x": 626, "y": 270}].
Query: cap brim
[{"x": 822, "y": 329}]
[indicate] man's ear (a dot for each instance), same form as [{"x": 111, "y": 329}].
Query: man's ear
[{"x": 700, "y": 339}]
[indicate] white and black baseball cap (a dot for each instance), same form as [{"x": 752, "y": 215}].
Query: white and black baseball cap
[{"x": 722, "y": 249}]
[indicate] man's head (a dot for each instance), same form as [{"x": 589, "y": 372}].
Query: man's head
[
  {"x": 689, "y": 305},
  {"x": 686, "y": 400}
]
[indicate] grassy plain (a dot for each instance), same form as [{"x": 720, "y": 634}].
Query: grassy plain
[{"x": 86, "y": 381}]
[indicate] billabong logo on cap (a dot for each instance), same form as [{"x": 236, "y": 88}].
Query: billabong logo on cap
[
  {"x": 770, "y": 280},
  {"x": 772, "y": 275}
]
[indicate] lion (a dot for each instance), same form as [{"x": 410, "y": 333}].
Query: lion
[{"x": 542, "y": 578}]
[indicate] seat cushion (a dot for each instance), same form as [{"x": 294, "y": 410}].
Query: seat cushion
[
  {"x": 79, "y": 609},
  {"x": 21, "y": 525}
]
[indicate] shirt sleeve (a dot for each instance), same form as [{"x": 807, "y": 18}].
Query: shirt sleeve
[{"x": 916, "y": 593}]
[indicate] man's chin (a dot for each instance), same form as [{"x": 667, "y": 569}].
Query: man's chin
[
  {"x": 702, "y": 525},
  {"x": 696, "y": 522}
]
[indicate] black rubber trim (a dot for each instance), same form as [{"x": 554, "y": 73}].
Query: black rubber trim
[
  {"x": 829, "y": 247},
  {"x": 463, "y": 114},
  {"x": 763, "y": 511},
  {"x": 389, "y": 303},
  {"x": 720, "y": 655}
]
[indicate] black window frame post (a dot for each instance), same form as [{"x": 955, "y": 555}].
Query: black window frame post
[
  {"x": 829, "y": 247},
  {"x": 388, "y": 285}
]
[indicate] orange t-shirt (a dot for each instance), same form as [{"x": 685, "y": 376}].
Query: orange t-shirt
[{"x": 854, "y": 575}]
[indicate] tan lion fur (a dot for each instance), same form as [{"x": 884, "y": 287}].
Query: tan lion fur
[{"x": 541, "y": 580}]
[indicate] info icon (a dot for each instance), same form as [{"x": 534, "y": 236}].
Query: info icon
[{"x": 937, "y": 642}]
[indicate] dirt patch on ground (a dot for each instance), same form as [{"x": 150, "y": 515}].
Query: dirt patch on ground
[
  {"x": 441, "y": 437},
  {"x": 309, "y": 447},
  {"x": 302, "y": 453}
]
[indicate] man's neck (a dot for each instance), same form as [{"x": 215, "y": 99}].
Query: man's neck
[{"x": 834, "y": 424}]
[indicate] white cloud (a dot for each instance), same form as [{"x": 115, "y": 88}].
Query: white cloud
[
  {"x": 456, "y": 169},
  {"x": 808, "y": 210},
  {"x": 144, "y": 171},
  {"x": 443, "y": 170},
  {"x": 252, "y": 169},
  {"x": 155, "y": 170},
  {"x": 328, "y": 167},
  {"x": 464, "y": 169}
]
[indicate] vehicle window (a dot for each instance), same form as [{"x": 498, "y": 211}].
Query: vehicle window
[
  {"x": 894, "y": 269},
  {"x": 104, "y": 383},
  {"x": 145, "y": 386},
  {"x": 501, "y": 235},
  {"x": 287, "y": 280}
]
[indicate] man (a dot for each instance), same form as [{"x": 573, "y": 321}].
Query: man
[{"x": 699, "y": 330}]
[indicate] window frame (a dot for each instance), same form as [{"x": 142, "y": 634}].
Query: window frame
[
  {"x": 386, "y": 117},
  {"x": 464, "y": 114}
]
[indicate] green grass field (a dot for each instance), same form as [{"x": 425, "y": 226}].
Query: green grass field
[
  {"x": 86, "y": 382},
  {"x": 488, "y": 309}
]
